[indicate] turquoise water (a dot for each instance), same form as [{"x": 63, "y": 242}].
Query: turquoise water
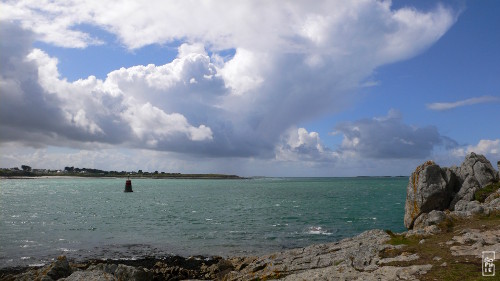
[{"x": 93, "y": 218}]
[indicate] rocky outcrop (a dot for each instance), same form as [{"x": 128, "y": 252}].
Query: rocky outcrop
[
  {"x": 429, "y": 188},
  {"x": 428, "y": 219},
  {"x": 166, "y": 268},
  {"x": 55, "y": 271},
  {"x": 475, "y": 173},
  {"x": 90, "y": 275},
  {"x": 357, "y": 258},
  {"x": 432, "y": 188}
]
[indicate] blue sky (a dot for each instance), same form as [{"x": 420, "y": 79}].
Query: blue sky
[{"x": 332, "y": 89}]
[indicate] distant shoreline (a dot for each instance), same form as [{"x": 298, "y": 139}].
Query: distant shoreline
[{"x": 181, "y": 176}]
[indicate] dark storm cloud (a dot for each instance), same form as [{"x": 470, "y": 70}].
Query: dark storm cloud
[
  {"x": 389, "y": 137},
  {"x": 29, "y": 113}
]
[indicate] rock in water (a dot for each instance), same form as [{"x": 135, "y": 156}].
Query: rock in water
[{"x": 429, "y": 188}]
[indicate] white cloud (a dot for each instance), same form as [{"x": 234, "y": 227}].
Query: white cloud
[
  {"x": 486, "y": 147},
  {"x": 292, "y": 61},
  {"x": 301, "y": 145},
  {"x": 471, "y": 101},
  {"x": 151, "y": 124},
  {"x": 37, "y": 101},
  {"x": 256, "y": 25},
  {"x": 243, "y": 72}
]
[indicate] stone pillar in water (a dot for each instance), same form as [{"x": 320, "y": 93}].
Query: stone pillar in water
[{"x": 128, "y": 186}]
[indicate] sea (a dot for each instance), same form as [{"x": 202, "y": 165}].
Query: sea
[{"x": 92, "y": 218}]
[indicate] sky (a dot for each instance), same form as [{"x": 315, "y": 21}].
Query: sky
[{"x": 253, "y": 88}]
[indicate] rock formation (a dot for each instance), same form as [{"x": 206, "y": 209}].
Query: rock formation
[
  {"x": 432, "y": 188},
  {"x": 429, "y": 188}
]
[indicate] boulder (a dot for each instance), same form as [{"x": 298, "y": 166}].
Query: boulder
[
  {"x": 108, "y": 268},
  {"x": 429, "y": 188},
  {"x": 428, "y": 219},
  {"x": 111, "y": 272},
  {"x": 433, "y": 188},
  {"x": 494, "y": 204},
  {"x": 55, "y": 271},
  {"x": 125, "y": 272},
  {"x": 90, "y": 275},
  {"x": 469, "y": 207},
  {"x": 59, "y": 269},
  {"x": 475, "y": 173}
]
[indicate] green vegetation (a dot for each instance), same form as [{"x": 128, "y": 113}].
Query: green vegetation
[
  {"x": 27, "y": 171},
  {"x": 447, "y": 224},
  {"x": 397, "y": 239},
  {"x": 483, "y": 193}
]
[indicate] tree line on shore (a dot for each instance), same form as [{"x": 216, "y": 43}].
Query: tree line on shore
[{"x": 27, "y": 171}]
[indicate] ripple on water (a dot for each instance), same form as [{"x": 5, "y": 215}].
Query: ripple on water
[{"x": 88, "y": 218}]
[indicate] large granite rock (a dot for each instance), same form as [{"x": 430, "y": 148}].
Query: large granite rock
[
  {"x": 428, "y": 219},
  {"x": 475, "y": 173},
  {"x": 432, "y": 188},
  {"x": 429, "y": 188}
]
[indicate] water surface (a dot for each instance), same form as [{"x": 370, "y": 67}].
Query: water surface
[{"x": 86, "y": 218}]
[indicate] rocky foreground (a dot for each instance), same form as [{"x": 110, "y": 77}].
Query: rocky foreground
[{"x": 453, "y": 214}]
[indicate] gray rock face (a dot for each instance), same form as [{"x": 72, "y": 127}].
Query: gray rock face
[
  {"x": 470, "y": 207},
  {"x": 108, "y": 268},
  {"x": 382, "y": 273},
  {"x": 124, "y": 272},
  {"x": 354, "y": 258},
  {"x": 433, "y": 188},
  {"x": 106, "y": 272},
  {"x": 429, "y": 188},
  {"x": 428, "y": 219},
  {"x": 59, "y": 269},
  {"x": 55, "y": 271},
  {"x": 475, "y": 172},
  {"x": 90, "y": 275},
  {"x": 475, "y": 241}
]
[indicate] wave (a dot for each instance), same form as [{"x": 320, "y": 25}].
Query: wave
[{"x": 318, "y": 230}]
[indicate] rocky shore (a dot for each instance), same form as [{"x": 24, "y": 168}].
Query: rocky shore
[{"x": 453, "y": 214}]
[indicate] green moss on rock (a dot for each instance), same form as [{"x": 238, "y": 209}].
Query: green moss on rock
[{"x": 483, "y": 193}]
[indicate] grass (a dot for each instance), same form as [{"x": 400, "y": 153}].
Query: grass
[
  {"x": 447, "y": 224},
  {"x": 397, "y": 239},
  {"x": 483, "y": 193},
  {"x": 461, "y": 268}
]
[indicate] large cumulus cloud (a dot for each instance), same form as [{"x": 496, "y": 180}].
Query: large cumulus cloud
[{"x": 292, "y": 62}]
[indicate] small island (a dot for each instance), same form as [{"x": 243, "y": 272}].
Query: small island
[{"x": 27, "y": 172}]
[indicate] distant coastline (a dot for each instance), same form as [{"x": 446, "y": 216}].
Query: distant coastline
[{"x": 70, "y": 172}]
